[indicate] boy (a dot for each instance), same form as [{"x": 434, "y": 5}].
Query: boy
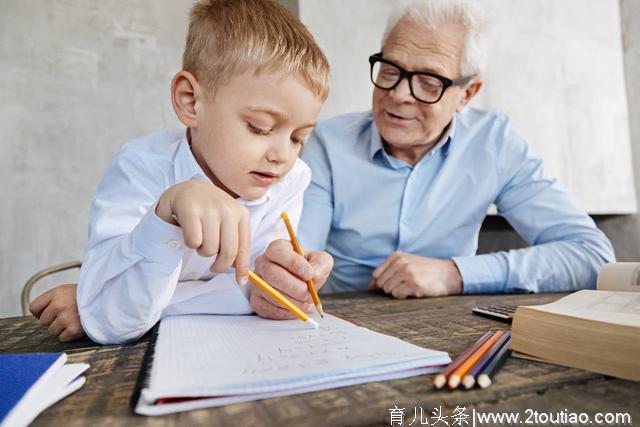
[{"x": 176, "y": 210}]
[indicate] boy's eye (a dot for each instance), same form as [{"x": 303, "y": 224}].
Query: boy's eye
[
  {"x": 297, "y": 140},
  {"x": 257, "y": 130}
]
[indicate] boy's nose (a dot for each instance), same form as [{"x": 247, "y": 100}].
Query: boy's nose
[{"x": 280, "y": 151}]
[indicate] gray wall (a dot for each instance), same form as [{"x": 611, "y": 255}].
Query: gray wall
[{"x": 80, "y": 78}]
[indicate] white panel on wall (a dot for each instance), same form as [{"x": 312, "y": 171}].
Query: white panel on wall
[{"x": 555, "y": 67}]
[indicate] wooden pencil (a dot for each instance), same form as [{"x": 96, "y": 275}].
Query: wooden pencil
[
  {"x": 486, "y": 376},
  {"x": 441, "y": 378},
  {"x": 469, "y": 379},
  {"x": 456, "y": 376},
  {"x": 298, "y": 249},
  {"x": 284, "y": 301}
]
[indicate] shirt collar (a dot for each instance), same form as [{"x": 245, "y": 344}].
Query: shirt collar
[
  {"x": 375, "y": 145},
  {"x": 186, "y": 167}
]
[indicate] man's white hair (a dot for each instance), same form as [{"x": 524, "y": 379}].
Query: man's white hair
[{"x": 433, "y": 13}]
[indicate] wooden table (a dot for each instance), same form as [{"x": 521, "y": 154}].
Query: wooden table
[{"x": 438, "y": 323}]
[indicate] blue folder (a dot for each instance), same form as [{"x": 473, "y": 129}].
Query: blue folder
[{"x": 19, "y": 372}]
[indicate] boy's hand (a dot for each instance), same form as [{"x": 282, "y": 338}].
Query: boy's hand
[
  {"x": 284, "y": 269},
  {"x": 58, "y": 310},
  {"x": 212, "y": 222}
]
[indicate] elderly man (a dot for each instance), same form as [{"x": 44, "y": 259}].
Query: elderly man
[{"x": 398, "y": 193}]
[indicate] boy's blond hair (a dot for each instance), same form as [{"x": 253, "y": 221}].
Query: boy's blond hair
[{"x": 228, "y": 37}]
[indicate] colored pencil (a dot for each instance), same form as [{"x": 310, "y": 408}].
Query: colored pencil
[
  {"x": 298, "y": 249},
  {"x": 469, "y": 380},
  {"x": 441, "y": 378},
  {"x": 487, "y": 374},
  {"x": 273, "y": 293},
  {"x": 456, "y": 376}
]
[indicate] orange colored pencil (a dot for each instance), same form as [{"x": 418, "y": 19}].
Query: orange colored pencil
[
  {"x": 456, "y": 376},
  {"x": 298, "y": 249},
  {"x": 441, "y": 378},
  {"x": 273, "y": 293}
]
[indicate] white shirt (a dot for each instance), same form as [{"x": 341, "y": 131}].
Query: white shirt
[{"x": 137, "y": 268}]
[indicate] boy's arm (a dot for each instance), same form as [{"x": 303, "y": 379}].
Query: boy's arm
[{"x": 133, "y": 258}]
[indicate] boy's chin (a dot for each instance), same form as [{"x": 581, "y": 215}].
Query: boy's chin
[{"x": 253, "y": 193}]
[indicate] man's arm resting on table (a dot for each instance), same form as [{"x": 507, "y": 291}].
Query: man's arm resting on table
[{"x": 567, "y": 249}]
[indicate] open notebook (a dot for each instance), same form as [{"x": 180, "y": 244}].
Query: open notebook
[{"x": 202, "y": 361}]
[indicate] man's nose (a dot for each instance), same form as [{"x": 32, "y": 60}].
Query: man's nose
[{"x": 402, "y": 92}]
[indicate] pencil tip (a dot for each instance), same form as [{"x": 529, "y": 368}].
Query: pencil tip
[
  {"x": 312, "y": 323},
  {"x": 320, "y": 310}
]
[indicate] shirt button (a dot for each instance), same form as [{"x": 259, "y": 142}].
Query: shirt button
[{"x": 173, "y": 244}]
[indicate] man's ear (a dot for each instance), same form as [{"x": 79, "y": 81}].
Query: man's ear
[
  {"x": 469, "y": 92},
  {"x": 184, "y": 94}
]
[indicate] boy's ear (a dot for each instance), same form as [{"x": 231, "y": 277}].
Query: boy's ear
[{"x": 184, "y": 94}]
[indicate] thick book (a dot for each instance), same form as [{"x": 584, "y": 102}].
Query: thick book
[
  {"x": 595, "y": 330},
  {"x": 30, "y": 383},
  {"x": 201, "y": 361}
]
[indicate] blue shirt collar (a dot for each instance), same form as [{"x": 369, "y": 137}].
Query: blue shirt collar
[{"x": 375, "y": 145}]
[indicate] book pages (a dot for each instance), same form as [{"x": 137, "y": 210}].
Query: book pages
[
  {"x": 620, "y": 276},
  {"x": 621, "y": 308}
]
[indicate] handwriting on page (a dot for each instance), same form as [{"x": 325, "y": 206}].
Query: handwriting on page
[{"x": 321, "y": 347}]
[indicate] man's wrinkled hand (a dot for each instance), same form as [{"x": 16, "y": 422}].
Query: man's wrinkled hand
[
  {"x": 287, "y": 271},
  {"x": 404, "y": 275}
]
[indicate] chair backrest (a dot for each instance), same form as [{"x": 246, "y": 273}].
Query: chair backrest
[{"x": 26, "y": 290}]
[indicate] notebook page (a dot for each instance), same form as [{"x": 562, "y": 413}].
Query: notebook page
[
  {"x": 222, "y": 355},
  {"x": 146, "y": 407}
]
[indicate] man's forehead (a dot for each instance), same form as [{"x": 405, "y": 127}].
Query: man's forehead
[{"x": 420, "y": 48}]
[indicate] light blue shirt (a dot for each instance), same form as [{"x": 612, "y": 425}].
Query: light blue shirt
[{"x": 363, "y": 204}]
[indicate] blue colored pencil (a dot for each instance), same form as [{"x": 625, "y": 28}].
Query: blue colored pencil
[
  {"x": 469, "y": 380},
  {"x": 484, "y": 378}
]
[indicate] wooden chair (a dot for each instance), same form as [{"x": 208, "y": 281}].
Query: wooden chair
[{"x": 26, "y": 291}]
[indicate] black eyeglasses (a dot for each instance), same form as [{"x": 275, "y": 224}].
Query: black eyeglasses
[{"x": 425, "y": 87}]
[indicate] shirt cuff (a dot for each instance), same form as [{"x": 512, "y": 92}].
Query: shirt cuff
[
  {"x": 158, "y": 240},
  {"x": 482, "y": 274}
]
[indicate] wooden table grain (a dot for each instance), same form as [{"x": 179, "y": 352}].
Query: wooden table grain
[{"x": 438, "y": 323}]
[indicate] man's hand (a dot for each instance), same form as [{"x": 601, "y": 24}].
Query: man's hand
[
  {"x": 58, "y": 310},
  {"x": 284, "y": 269},
  {"x": 212, "y": 222},
  {"x": 404, "y": 275}
]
